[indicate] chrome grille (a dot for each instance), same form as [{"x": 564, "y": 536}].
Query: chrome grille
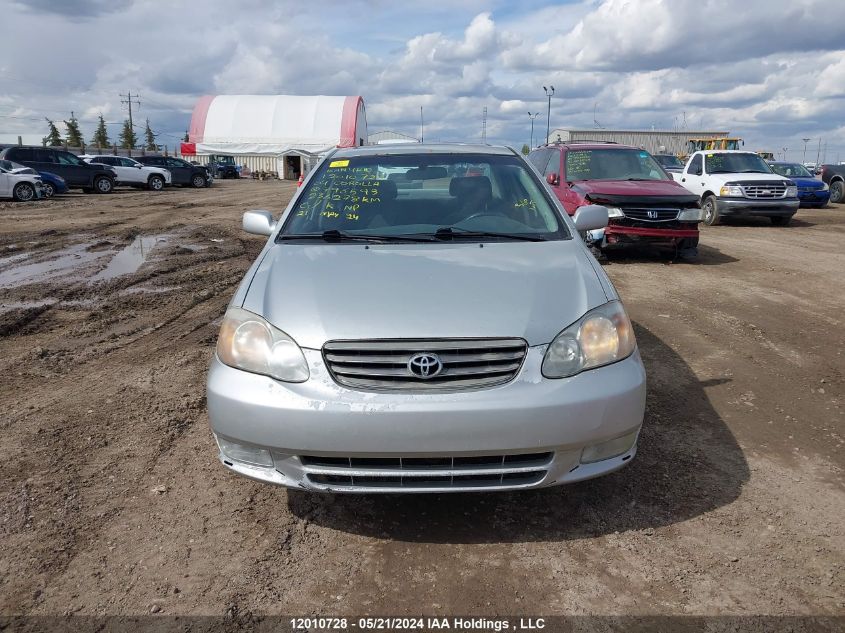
[
  {"x": 436, "y": 473},
  {"x": 651, "y": 215},
  {"x": 765, "y": 191},
  {"x": 383, "y": 365}
]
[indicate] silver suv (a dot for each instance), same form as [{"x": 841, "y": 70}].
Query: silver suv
[{"x": 425, "y": 319}]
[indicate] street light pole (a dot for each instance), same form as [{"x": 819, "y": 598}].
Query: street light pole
[
  {"x": 532, "y": 117},
  {"x": 549, "y": 92},
  {"x": 784, "y": 152},
  {"x": 804, "y": 160}
]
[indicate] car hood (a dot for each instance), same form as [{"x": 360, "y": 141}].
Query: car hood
[
  {"x": 321, "y": 292},
  {"x": 630, "y": 187},
  {"x": 812, "y": 183},
  {"x": 739, "y": 177},
  {"x": 641, "y": 191}
]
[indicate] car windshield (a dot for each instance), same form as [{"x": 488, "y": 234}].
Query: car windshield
[
  {"x": 669, "y": 161},
  {"x": 398, "y": 196},
  {"x": 612, "y": 164},
  {"x": 735, "y": 163},
  {"x": 791, "y": 170}
]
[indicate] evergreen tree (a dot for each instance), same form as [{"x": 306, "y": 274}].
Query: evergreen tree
[
  {"x": 186, "y": 139},
  {"x": 74, "y": 136},
  {"x": 101, "y": 134},
  {"x": 150, "y": 138},
  {"x": 53, "y": 136},
  {"x": 525, "y": 149},
  {"x": 128, "y": 139}
]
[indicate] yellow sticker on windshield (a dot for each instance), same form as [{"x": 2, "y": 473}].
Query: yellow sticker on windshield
[
  {"x": 709, "y": 155},
  {"x": 339, "y": 163}
]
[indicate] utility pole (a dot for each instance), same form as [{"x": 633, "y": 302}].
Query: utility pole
[
  {"x": 819, "y": 153},
  {"x": 422, "y": 127},
  {"x": 532, "y": 117},
  {"x": 128, "y": 100},
  {"x": 804, "y": 160},
  {"x": 484, "y": 126},
  {"x": 549, "y": 92},
  {"x": 784, "y": 152}
]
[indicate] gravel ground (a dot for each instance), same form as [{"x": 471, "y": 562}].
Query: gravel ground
[{"x": 113, "y": 501}]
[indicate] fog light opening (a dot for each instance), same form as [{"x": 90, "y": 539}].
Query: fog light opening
[
  {"x": 610, "y": 449},
  {"x": 244, "y": 454}
]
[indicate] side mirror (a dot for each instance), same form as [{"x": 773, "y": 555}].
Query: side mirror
[
  {"x": 697, "y": 171},
  {"x": 553, "y": 180},
  {"x": 259, "y": 222},
  {"x": 590, "y": 217}
]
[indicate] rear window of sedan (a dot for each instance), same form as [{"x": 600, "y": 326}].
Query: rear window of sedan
[{"x": 399, "y": 194}]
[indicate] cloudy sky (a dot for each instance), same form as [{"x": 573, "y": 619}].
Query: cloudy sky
[{"x": 771, "y": 71}]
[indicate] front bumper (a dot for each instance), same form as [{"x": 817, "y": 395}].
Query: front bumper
[
  {"x": 814, "y": 197},
  {"x": 529, "y": 415},
  {"x": 767, "y": 208}
]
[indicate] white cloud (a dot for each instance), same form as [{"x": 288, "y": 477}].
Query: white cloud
[{"x": 769, "y": 70}]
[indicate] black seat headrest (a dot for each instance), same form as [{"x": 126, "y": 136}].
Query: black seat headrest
[
  {"x": 387, "y": 189},
  {"x": 475, "y": 186}
]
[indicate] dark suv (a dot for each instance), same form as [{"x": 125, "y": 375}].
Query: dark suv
[
  {"x": 182, "y": 172},
  {"x": 645, "y": 205},
  {"x": 77, "y": 173}
]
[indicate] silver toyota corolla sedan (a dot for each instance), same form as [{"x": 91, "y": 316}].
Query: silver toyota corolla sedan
[{"x": 425, "y": 318}]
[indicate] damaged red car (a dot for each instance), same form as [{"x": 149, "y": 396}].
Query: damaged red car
[{"x": 646, "y": 206}]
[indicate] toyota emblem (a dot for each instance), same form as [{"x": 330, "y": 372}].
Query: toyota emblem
[{"x": 425, "y": 365}]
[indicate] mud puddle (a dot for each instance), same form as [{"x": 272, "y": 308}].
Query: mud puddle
[
  {"x": 132, "y": 257},
  {"x": 67, "y": 261}
]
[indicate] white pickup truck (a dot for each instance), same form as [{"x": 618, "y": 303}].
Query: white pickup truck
[{"x": 734, "y": 183}]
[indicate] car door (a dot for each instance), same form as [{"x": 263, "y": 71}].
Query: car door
[
  {"x": 130, "y": 170},
  {"x": 73, "y": 169},
  {"x": 571, "y": 200},
  {"x": 693, "y": 177},
  {"x": 5, "y": 188},
  {"x": 179, "y": 170},
  {"x": 124, "y": 174}
]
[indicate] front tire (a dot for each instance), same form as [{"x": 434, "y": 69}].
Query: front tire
[
  {"x": 23, "y": 192},
  {"x": 837, "y": 191},
  {"x": 198, "y": 181},
  {"x": 781, "y": 220},
  {"x": 711, "y": 211},
  {"x": 102, "y": 184},
  {"x": 155, "y": 183},
  {"x": 49, "y": 190}
]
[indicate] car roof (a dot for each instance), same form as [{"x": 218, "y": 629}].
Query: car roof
[
  {"x": 423, "y": 148},
  {"x": 589, "y": 145},
  {"x": 728, "y": 151}
]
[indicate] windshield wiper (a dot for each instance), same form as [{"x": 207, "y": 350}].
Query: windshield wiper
[
  {"x": 334, "y": 235},
  {"x": 449, "y": 232}
]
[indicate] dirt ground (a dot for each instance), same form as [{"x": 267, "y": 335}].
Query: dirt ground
[{"x": 112, "y": 500}]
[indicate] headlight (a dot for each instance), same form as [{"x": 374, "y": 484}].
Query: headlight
[
  {"x": 792, "y": 191},
  {"x": 249, "y": 343},
  {"x": 601, "y": 337},
  {"x": 731, "y": 191},
  {"x": 825, "y": 187},
  {"x": 615, "y": 212},
  {"x": 691, "y": 215}
]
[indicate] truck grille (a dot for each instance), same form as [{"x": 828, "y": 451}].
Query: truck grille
[
  {"x": 765, "y": 191},
  {"x": 385, "y": 365},
  {"x": 651, "y": 215},
  {"x": 434, "y": 473}
]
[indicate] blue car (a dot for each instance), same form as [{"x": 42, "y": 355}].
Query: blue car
[
  {"x": 53, "y": 184},
  {"x": 812, "y": 192}
]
